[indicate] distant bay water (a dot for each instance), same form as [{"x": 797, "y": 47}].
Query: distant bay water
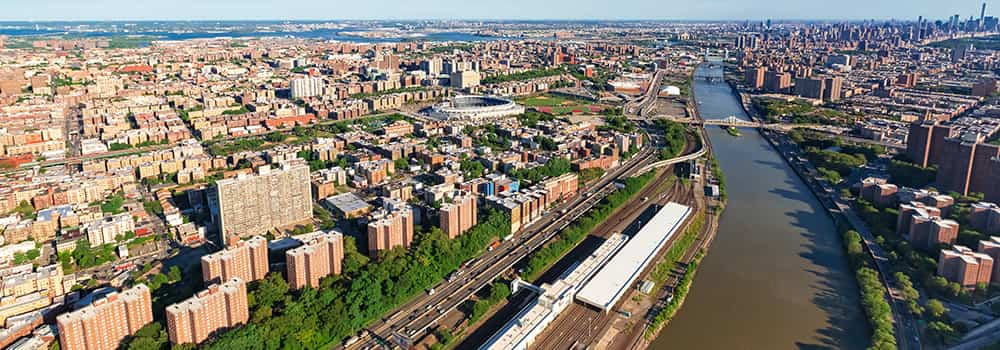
[{"x": 152, "y": 29}]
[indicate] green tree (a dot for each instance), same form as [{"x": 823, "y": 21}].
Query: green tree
[
  {"x": 402, "y": 164},
  {"x": 276, "y": 137},
  {"x": 940, "y": 332},
  {"x": 936, "y": 308},
  {"x": 499, "y": 291},
  {"x": 150, "y": 337},
  {"x": 270, "y": 290},
  {"x": 546, "y": 143},
  {"x": 25, "y": 210},
  {"x": 472, "y": 169},
  {"x": 174, "y": 274}
]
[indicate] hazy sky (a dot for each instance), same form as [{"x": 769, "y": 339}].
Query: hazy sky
[{"x": 20, "y": 10}]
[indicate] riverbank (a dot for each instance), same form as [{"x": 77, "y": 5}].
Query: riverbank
[
  {"x": 672, "y": 274},
  {"x": 773, "y": 277},
  {"x": 675, "y": 272},
  {"x": 875, "y": 298}
]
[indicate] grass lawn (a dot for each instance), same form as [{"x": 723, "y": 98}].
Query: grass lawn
[
  {"x": 557, "y": 105},
  {"x": 546, "y": 101}
]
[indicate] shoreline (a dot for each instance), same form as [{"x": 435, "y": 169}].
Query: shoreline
[{"x": 697, "y": 251}]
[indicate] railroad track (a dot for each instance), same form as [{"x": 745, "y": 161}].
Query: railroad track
[
  {"x": 418, "y": 315},
  {"x": 579, "y": 326}
]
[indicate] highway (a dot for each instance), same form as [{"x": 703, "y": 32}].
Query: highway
[
  {"x": 640, "y": 105},
  {"x": 412, "y": 321}
]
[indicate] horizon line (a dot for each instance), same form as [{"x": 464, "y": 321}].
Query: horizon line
[{"x": 462, "y": 19}]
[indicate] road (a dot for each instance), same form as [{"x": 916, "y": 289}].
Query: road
[
  {"x": 648, "y": 99},
  {"x": 983, "y": 336},
  {"x": 413, "y": 319}
]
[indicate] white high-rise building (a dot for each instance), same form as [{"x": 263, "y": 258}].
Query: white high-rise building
[{"x": 307, "y": 87}]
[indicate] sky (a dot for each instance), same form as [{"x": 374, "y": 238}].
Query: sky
[{"x": 40, "y": 10}]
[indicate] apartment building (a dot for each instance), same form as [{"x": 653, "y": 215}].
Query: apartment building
[
  {"x": 246, "y": 260},
  {"x": 965, "y": 267},
  {"x": 320, "y": 256},
  {"x": 252, "y": 205},
  {"x": 390, "y": 228},
  {"x": 459, "y": 215},
  {"x": 103, "y": 324},
  {"x": 985, "y": 217},
  {"x": 991, "y": 247},
  {"x": 217, "y": 308}
]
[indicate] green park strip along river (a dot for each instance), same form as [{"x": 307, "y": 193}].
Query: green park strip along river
[{"x": 776, "y": 276}]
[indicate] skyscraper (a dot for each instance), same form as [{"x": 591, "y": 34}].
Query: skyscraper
[
  {"x": 103, "y": 324},
  {"x": 982, "y": 13},
  {"x": 251, "y": 205}
]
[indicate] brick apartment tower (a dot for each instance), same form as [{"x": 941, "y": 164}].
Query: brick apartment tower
[
  {"x": 991, "y": 247},
  {"x": 928, "y": 232},
  {"x": 459, "y": 216},
  {"x": 965, "y": 267},
  {"x": 985, "y": 217},
  {"x": 755, "y": 77},
  {"x": 103, "y": 324},
  {"x": 244, "y": 259},
  {"x": 907, "y": 211},
  {"x": 560, "y": 187},
  {"x": 925, "y": 143},
  {"x": 217, "y": 308},
  {"x": 252, "y": 205},
  {"x": 878, "y": 192},
  {"x": 318, "y": 258},
  {"x": 392, "y": 229}
]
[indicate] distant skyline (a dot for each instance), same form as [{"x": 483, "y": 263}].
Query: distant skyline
[{"x": 45, "y": 10}]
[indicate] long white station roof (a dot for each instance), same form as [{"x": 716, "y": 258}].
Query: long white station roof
[{"x": 609, "y": 284}]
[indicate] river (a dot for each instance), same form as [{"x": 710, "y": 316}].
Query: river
[{"x": 775, "y": 277}]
